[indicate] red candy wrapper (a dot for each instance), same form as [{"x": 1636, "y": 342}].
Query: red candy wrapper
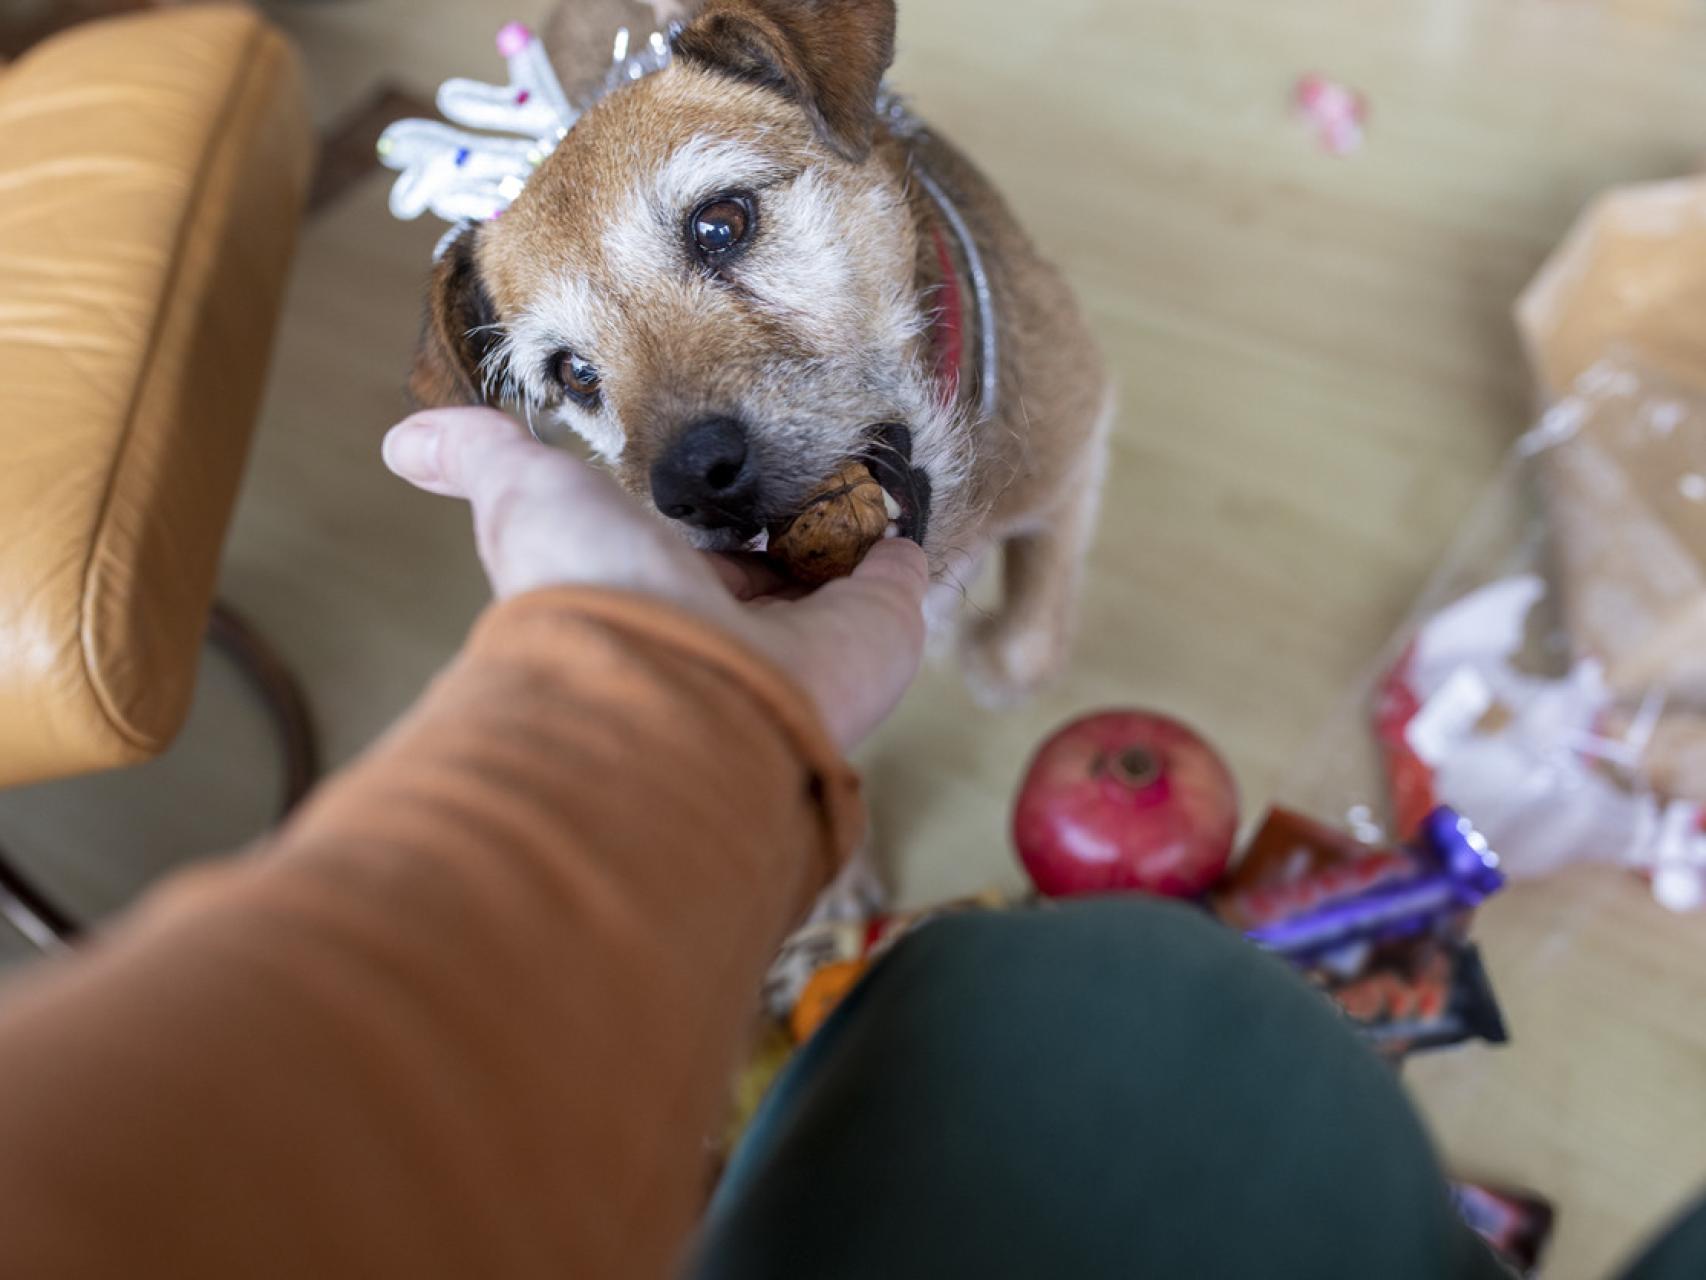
[
  {"x": 1517, "y": 1224},
  {"x": 1408, "y": 777},
  {"x": 1273, "y": 903}
]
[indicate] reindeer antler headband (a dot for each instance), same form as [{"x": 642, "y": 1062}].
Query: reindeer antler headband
[{"x": 464, "y": 176}]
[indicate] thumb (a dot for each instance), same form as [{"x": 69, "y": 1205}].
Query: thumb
[
  {"x": 857, "y": 644},
  {"x": 884, "y": 597},
  {"x": 452, "y": 451}
]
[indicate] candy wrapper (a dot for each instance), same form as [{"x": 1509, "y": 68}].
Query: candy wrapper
[
  {"x": 823, "y": 962},
  {"x": 1517, "y": 1224},
  {"x": 1370, "y": 897},
  {"x": 1406, "y": 978},
  {"x": 814, "y": 971},
  {"x": 1417, "y": 998}
]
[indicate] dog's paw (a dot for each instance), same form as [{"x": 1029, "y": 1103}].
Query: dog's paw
[{"x": 1004, "y": 664}]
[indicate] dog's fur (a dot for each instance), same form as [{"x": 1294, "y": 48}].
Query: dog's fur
[{"x": 823, "y": 327}]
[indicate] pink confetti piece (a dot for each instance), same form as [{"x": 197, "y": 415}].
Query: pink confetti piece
[{"x": 1337, "y": 111}]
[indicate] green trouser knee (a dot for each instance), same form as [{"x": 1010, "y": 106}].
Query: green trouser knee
[{"x": 1117, "y": 1088}]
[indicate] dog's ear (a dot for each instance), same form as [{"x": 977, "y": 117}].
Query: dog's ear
[
  {"x": 829, "y": 55},
  {"x": 457, "y": 332}
]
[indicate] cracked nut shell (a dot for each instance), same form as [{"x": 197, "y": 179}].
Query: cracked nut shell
[{"x": 839, "y": 524}]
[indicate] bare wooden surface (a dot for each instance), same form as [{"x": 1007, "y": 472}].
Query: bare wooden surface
[{"x": 1318, "y": 373}]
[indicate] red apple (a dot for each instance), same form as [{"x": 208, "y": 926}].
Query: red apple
[{"x": 1126, "y": 800}]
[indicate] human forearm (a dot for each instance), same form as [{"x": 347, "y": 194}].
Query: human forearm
[{"x": 473, "y": 1012}]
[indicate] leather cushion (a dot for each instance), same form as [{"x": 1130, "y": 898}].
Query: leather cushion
[{"x": 152, "y": 175}]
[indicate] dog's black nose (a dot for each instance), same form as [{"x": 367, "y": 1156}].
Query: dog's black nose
[{"x": 707, "y": 477}]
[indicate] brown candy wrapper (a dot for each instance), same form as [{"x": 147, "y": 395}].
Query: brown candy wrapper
[
  {"x": 1427, "y": 995},
  {"x": 1289, "y": 847}
]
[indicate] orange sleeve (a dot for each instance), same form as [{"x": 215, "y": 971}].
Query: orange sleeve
[{"x": 473, "y": 1012}]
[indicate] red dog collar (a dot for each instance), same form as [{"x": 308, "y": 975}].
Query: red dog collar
[{"x": 950, "y": 332}]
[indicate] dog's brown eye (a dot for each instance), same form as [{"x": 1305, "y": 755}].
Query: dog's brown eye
[
  {"x": 721, "y": 225},
  {"x": 578, "y": 377}
]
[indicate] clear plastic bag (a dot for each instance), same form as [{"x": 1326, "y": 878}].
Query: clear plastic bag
[{"x": 1550, "y": 684}]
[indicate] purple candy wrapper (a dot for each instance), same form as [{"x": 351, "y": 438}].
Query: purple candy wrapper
[{"x": 1455, "y": 872}]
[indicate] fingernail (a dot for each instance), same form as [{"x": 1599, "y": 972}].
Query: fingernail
[{"x": 411, "y": 450}]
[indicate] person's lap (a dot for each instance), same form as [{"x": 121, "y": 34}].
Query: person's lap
[{"x": 1113, "y": 1088}]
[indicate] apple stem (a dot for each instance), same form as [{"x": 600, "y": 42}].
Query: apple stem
[{"x": 1137, "y": 768}]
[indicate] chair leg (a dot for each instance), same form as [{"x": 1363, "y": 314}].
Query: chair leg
[
  {"x": 33, "y": 914},
  {"x": 276, "y": 685},
  {"x": 24, "y": 908}
]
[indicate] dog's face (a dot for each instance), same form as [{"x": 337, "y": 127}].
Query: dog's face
[{"x": 710, "y": 281}]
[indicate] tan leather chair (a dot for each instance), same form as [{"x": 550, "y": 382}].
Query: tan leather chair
[{"x": 153, "y": 171}]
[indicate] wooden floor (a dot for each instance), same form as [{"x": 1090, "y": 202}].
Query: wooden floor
[{"x": 1318, "y": 371}]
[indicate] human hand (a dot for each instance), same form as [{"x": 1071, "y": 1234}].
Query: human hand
[{"x": 543, "y": 518}]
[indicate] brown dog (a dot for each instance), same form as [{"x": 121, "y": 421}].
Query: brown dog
[{"x": 739, "y": 272}]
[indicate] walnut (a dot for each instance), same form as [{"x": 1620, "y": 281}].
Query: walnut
[{"x": 839, "y": 524}]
